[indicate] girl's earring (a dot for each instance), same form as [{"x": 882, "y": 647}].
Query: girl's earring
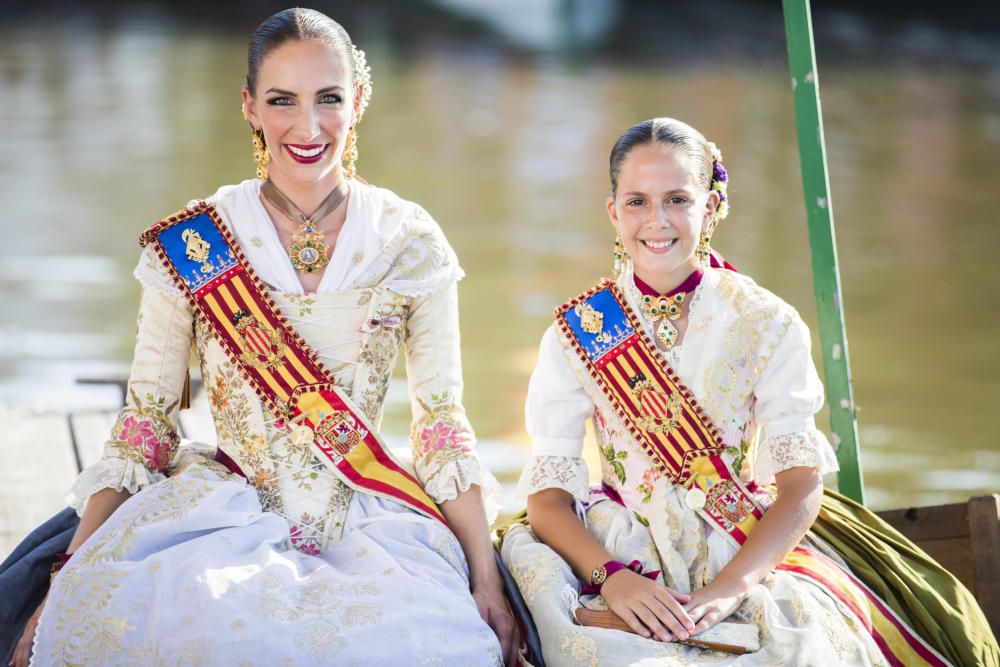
[
  {"x": 704, "y": 250},
  {"x": 620, "y": 255}
]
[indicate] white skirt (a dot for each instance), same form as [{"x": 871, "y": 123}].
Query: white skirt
[{"x": 191, "y": 571}]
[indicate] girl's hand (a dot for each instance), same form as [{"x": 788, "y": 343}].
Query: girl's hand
[
  {"x": 713, "y": 603},
  {"x": 650, "y": 609},
  {"x": 23, "y": 649},
  {"x": 492, "y": 606}
]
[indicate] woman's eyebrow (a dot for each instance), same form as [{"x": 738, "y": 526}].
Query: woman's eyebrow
[{"x": 287, "y": 93}]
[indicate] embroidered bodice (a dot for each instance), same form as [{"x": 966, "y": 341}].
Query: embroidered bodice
[{"x": 369, "y": 308}]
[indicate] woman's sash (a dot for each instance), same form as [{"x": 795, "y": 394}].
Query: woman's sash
[
  {"x": 208, "y": 265},
  {"x": 679, "y": 438}
]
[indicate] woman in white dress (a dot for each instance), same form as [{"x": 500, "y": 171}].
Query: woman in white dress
[
  {"x": 278, "y": 557},
  {"x": 702, "y": 394}
]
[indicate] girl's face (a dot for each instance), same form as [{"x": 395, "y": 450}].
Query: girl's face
[
  {"x": 305, "y": 104},
  {"x": 659, "y": 211}
]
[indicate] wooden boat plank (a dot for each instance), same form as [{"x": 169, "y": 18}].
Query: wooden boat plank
[
  {"x": 936, "y": 522},
  {"x": 984, "y": 526},
  {"x": 40, "y": 467}
]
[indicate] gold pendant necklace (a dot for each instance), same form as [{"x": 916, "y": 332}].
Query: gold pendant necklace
[
  {"x": 308, "y": 251},
  {"x": 664, "y": 309}
]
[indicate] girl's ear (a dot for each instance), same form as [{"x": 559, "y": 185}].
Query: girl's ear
[
  {"x": 612, "y": 213},
  {"x": 711, "y": 205}
]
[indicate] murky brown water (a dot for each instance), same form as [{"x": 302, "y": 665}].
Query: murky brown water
[{"x": 104, "y": 130}]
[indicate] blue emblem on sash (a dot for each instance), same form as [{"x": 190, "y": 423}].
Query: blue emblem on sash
[
  {"x": 197, "y": 250},
  {"x": 599, "y": 324}
]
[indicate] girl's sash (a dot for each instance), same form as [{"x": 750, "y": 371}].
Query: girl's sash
[
  {"x": 658, "y": 410},
  {"x": 665, "y": 419},
  {"x": 207, "y": 264}
]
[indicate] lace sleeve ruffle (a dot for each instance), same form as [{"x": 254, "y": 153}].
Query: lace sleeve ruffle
[
  {"x": 568, "y": 473},
  {"x": 791, "y": 450},
  {"x": 119, "y": 474},
  {"x": 446, "y": 479},
  {"x": 152, "y": 274}
]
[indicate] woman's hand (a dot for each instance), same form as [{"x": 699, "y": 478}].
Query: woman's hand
[
  {"x": 651, "y": 610},
  {"x": 492, "y": 606},
  {"x": 713, "y": 603},
  {"x": 23, "y": 649},
  {"x": 467, "y": 518}
]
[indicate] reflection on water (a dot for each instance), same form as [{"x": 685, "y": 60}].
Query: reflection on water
[{"x": 106, "y": 129}]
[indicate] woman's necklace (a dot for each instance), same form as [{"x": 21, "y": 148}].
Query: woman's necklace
[
  {"x": 308, "y": 251},
  {"x": 667, "y": 308}
]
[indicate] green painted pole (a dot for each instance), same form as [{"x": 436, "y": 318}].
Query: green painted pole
[{"x": 826, "y": 274}]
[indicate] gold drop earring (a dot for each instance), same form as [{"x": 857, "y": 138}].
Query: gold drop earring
[
  {"x": 259, "y": 149},
  {"x": 704, "y": 250},
  {"x": 260, "y": 153},
  {"x": 620, "y": 255},
  {"x": 351, "y": 152}
]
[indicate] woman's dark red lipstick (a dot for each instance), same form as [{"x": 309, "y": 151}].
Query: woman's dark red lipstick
[{"x": 307, "y": 153}]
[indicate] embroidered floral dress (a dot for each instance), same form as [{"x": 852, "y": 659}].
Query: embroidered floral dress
[
  {"x": 746, "y": 358},
  {"x": 287, "y": 566}
]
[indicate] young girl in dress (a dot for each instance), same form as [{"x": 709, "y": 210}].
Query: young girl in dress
[{"x": 702, "y": 393}]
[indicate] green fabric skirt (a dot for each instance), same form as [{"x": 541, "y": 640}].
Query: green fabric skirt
[{"x": 929, "y": 598}]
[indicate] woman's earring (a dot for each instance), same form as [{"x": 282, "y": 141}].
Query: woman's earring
[
  {"x": 351, "y": 152},
  {"x": 260, "y": 153},
  {"x": 621, "y": 256}
]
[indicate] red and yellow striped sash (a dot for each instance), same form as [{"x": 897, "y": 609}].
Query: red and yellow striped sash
[
  {"x": 900, "y": 645},
  {"x": 207, "y": 264},
  {"x": 660, "y": 413}
]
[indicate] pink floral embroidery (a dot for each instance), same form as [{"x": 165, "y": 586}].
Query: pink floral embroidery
[
  {"x": 302, "y": 544},
  {"x": 651, "y": 475},
  {"x": 441, "y": 436},
  {"x": 138, "y": 433},
  {"x": 135, "y": 432},
  {"x": 649, "y": 478},
  {"x": 157, "y": 454}
]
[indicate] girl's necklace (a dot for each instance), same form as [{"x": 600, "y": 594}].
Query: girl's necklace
[{"x": 665, "y": 309}]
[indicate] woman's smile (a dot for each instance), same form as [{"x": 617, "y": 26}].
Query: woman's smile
[{"x": 307, "y": 153}]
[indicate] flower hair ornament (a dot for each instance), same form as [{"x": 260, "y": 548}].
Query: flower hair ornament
[
  {"x": 720, "y": 184},
  {"x": 362, "y": 76}
]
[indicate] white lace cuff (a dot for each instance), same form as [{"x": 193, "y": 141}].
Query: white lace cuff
[
  {"x": 456, "y": 476},
  {"x": 568, "y": 473},
  {"x": 790, "y": 450},
  {"x": 110, "y": 473},
  {"x": 152, "y": 274}
]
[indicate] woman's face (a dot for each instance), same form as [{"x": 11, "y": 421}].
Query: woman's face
[
  {"x": 305, "y": 104},
  {"x": 659, "y": 211}
]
